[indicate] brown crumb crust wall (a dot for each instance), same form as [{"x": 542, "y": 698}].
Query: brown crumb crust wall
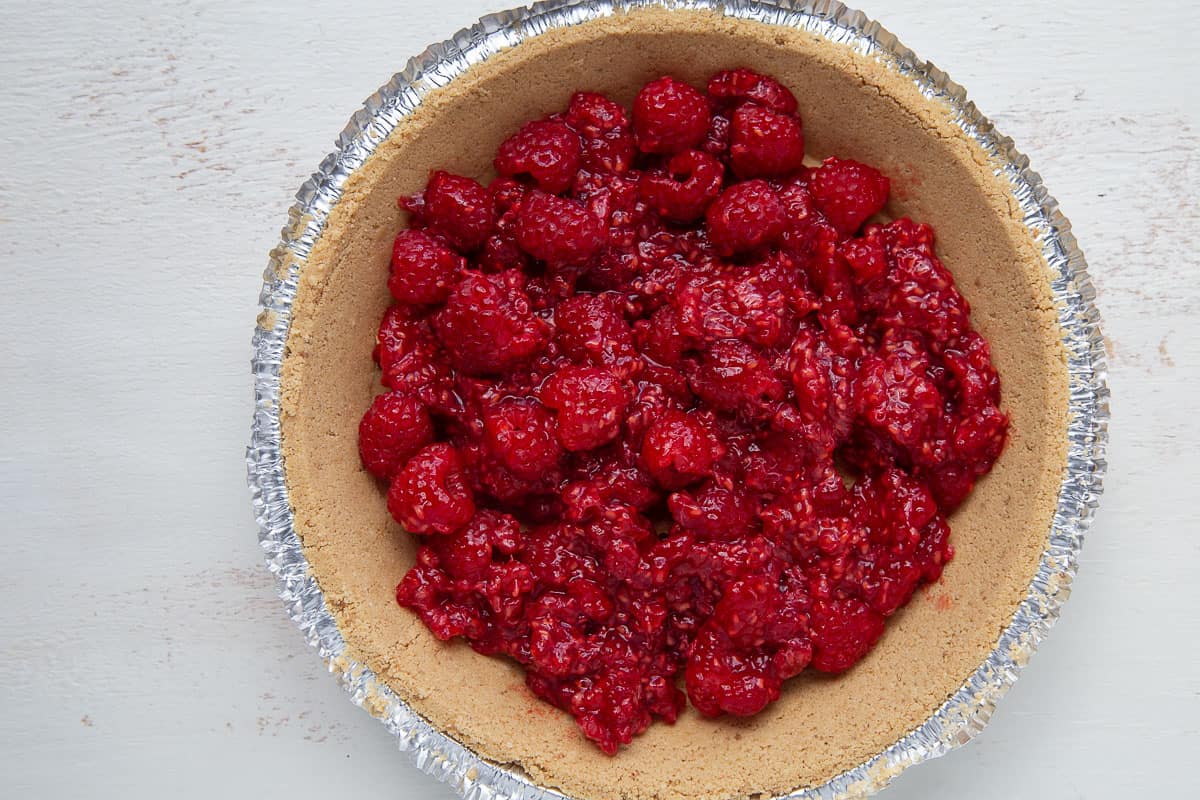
[{"x": 852, "y": 106}]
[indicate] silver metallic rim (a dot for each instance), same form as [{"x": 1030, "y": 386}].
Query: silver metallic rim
[{"x": 966, "y": 712}]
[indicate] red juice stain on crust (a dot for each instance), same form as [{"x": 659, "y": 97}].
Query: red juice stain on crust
[{"x": 666, "y": 412}]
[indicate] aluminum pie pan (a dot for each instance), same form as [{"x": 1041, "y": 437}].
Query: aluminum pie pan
[{"x": 967, "y": 711}]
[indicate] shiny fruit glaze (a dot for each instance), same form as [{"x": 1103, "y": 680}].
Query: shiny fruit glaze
[{"x": 669, "y": 410}]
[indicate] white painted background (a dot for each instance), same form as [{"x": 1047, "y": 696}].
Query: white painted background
[{"x": 148, "y": 154}]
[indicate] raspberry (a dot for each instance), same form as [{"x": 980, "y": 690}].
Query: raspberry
[
  {"x": 753, "y": 303},
  {"x": 519, "y": 432},
  {"x": 407, "y": 352},
  {"x": 895, "y": 396},
  {"x": 546, "y": 150},
  {"x": 716, "y": 140},
  {"x": 507, "y": 195},
  {"x": 501, "y": 253},
  {"x": 789, "y": 515},
  {"x": 979, "y": 437},
  {"x": 714, "y": 512},
  {"x": 764, "y": 143},
  {"x": 660, "y": 338},
  {"x": 691, "y": 181},
  {"x": 455, "y": 208},
  {"x": 866, "y": 257},
  {"x": 763, "y": 608},
  {"x": 848, "y": 192},
  {"x": 734, "y": 376},
  {"x": 604, "y": 127},
  {"x": 747, "y": 216},
  {"x": 466, "y": 554},
  {"x": 558, "y": 231},
  {"x": 720, "y": 680},
  {"x": 429, "y": 495},
  {"x": 970, "y": 361},
  {"x": 669, "y": 116},
  {"x": 922, "y": 296},
  {"x": 423, "y": 269},
  {"x": 394, "y": 428},
  {"x": 680, "y": 449},
  {"x": 830, "y": 272},
  {"x": 617, "y": 485},
  {"x": 590, "y": 402},
  {"x": 740, "y": 85},
  {"x": 823, "y": 383},
  {"x": 590, "y": 329},
  {"x": 805, "y": 225},
  {"x": 486, "y": 325},
  {"x": 950, "y": 483},
  {"x": 843, "y": 631},
  {"x": 613, "y": 199},
  {"x": 935, "y": 550}
]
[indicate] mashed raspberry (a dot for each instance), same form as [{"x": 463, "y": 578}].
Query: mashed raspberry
[{"x": 668, "y": 410}]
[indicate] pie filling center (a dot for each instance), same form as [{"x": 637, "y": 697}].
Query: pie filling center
[{"x": 674, "y": 415}]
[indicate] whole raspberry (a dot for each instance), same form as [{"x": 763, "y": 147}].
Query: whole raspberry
[
  {"x": 734, "y": 376},
  {"x": 746, "y": 216},
  {"x": 843, "y": 631},
  {"x": 669, "y": 116},
  {"x": 430, "y": 495},
  {"x": 412, "y": 361},
  {"x": 923, "y": 296},
  {"x": 398, "y": 334},
  {"x": 604, "y": 127},
  {"x": 456, "y": 208},
  {"x": 764, "y": 143},
  {"x": 487, "y": 326},
  {"x": 714, "y": 512},
  {"x": 805, "y": 223},
  {"x": 896, "y": 396},
  {"x": 557, "y": 230},
  {"x": 970, "y": 362},
  {"x": 519, "y": 432},
  {"x": 979, "y": 437},
  {"x": 546, "y": 150},
  {"x": 789, "y": 514},
  {"x": 659, "y": 337},
  {"x": 865, "y": 256},
  {"x": 950, "y": 483},
  {"x": 680, "y": 449},
  {"x": 395, "y": 427},
  {"x": 810, "y": 377},
  {"x": 590, "y": 402},
  {"x": 722, "y": 680},
  {"x": 681, "y": 192},
  {"x": 590, "y": 329},
  {"x": 753, "y": 302},
  {"x": 740, "y": 85},
  {"x": 848, "y": 192},
  {"x": 469, "y": 553},
  {"x": 423, "y": 268}
]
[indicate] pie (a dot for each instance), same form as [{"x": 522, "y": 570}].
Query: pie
[{"x": 853, "y": 108}]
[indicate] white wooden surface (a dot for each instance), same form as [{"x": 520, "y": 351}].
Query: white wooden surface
[{"x": 148, "y": 154}]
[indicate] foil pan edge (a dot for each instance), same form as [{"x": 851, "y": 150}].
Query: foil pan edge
[{"x": 967, "y": 711}]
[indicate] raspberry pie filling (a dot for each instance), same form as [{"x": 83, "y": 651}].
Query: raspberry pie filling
[{"x": 674, "y": 415}]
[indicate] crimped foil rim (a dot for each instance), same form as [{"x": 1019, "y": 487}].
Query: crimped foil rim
[{"x": 967, "y": 711}]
